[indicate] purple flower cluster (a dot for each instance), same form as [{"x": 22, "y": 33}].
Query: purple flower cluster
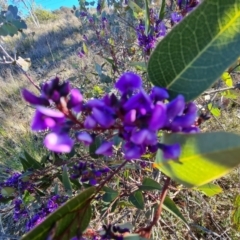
[
  {"x": 157, "y": 29},
  {"x": 85, "y": 173},
  {"x": 19, "y": 209},
  {"x": 18, "y": 182},
  {"x": 53, "y": 203},
  {"x": 136, "y": 116}
]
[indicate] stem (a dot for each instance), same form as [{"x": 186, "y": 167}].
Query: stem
[{"x": 146, "y": 232}]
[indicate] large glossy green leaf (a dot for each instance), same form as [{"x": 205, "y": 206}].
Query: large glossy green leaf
[
  {"x": 198, "y": 50},
  {"x": 204, "y": 157},
  {"x": 74, "y": 213}
]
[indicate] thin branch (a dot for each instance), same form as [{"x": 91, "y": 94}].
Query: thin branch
[{"x": 146, "y": 232}]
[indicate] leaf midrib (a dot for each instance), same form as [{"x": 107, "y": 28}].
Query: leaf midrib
[{"x": 204, "y": 49}]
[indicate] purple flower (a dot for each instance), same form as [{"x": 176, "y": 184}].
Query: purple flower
[
  {"x": 32, "y": 99},
  {"x": 46, "y": 118},
  {"x": 175, "y": 107},
  {"x": 130, "y": 117},
  {"x": 58, "y": 142},
  {"x": 81, "y": 54},
  {"x": 158, "y": 117},
  {"x": 132, "y": 151},
  {"x": 104, "y": 116},
  {"x": 105, "y": 149},
  {"x": 75, "y": 100},
  {"x": 176, "y": 17},
  {"x": 158, "y": 94},
  {"x": 85, "y": 137},
  {"x": 90, "y": 122},
  {"x": 160, "y": 29},
  {"x": 145, "y": 137},
  {"x": 128, "y": 82},
  {"x": 170, "y": 152}
]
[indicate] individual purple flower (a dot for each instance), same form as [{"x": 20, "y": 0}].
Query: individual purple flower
[
  {"x": 58, "y": 142},
  {"x": 130, "y": 117},
  {"x": 90, "y": 122},
  {"x": 104, "y": 116},
  {"x": 132, "y": 151},
  {"x": 46, "y": 118},
  {"x": 175, "y": 107},
  {"x": 105, "y": 149},
  {"x": 32, "y": 99},
  {"x": 158, "y": 94},
  {"x": 144, "y": 136},
  {"x": 160, "y": 29},
  {"x": 84, "y": 137},
  {"x": 158, "y": 117},
  {"x": 170, "y": 151},
  {"x": 128, "y": 81},
  {"x": 141, "y": 102},
  {"x": 75, "y": 100},
  {"x": 176, "y": 17}
]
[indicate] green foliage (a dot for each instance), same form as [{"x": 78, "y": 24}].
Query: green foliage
[
  {"x": 44, "y": 15},
  {"x": 74, "y": 215},
  {"x": 10, "y": 22},
  {"x": 204, "y": 157},
  {"x": 136, "y": 198},
  {"x": 187, "y": 63}
]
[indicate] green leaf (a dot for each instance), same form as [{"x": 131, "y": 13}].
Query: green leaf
[
  {"x": 214, "y": 110},
  {"x": 24, "y": 163},
  {"x": 109, "y": 194},
  {"x": 149, "y": 185},
  {"x": 66, "y": 181},
  {"x": 226, "y": 77},
  {"x": 204, "y": 157},
  {"x": 229, "y": 94},
  {"x": 210, "y": 189},
  {"x": 27, "y": 197},
  {"x": 7, "y": 191},
  {"x": 235, "y": 218},
  {"x": 139, "y": 65},
  {"x": 147, "y": 18},
  {"x": 85, "y": 48},
  {"x": 134, "y": 7},
  {"x": 187, "y": 63},
  {"x": 32, "y": 162},
  {"x": 162, "y": 10},
  {"x": 137, "y": 200},
  {"x": 133, "y": 236},
  {"x": 171, "y": 207},
  {"x": 74, "y": 213}
]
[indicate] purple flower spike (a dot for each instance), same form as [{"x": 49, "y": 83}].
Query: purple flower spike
[
  {"x": 170, "y": 152},
  {"x": 128, "y": 82},
  {"x": 158, "y": 117},
  {"x": 32, "y": 99},
  {"x": 76, "y": 98},
  {"x": 105, "y": 149},
  {"x": 85, "y": 137},
  {"x": 61, "y": 143}
]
